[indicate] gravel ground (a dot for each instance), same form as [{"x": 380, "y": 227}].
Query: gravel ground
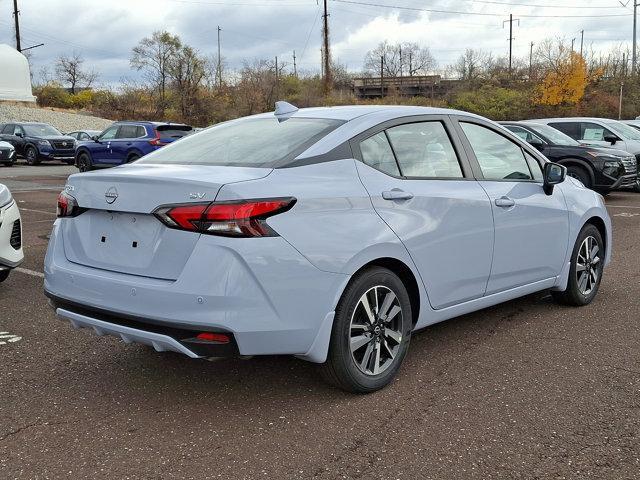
[{"x": 63, "y": 121}]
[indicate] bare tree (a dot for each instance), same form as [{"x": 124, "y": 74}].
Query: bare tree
[
  {"x": 153, "y": 56},
  {"x": 473, "y": 65},
  {"x": 399, "y": 59},
  {"x": 187, "y": 70},
  {"x": 69, "y": 71}
]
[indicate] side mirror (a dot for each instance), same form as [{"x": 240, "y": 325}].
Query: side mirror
[
  {"x": 611, "y": 138},
  {"x": 536, "y": 143},
  {"x": 554, "y": 173},
  {"x": 20, "y": 134},
  {"x": 95, "y": 138}
]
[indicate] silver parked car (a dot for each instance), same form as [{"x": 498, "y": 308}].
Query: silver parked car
[{"x": 331, "y": 234}]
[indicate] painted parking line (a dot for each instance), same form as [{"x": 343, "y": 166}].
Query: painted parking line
[
  {"x": 38, "y": 211},
  {"x": 33, "y": 273},
  {"x": 626, "y": 214},
  {"x": 6, "y": 337},
  {"x": 620, "y": 206}
]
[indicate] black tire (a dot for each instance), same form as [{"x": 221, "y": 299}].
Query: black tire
[
  {"x": 579, "y": 173},
  {"x": 70, "y": 161},
  {"x": 4, "y": 274},
  {"x": 636, "y": 186},
  {"x": 575, "y": 294},
  {"x": 31, "y": 155},
  {"x": 8, "y": 164},
  {"x": 133, "y": 158},
  {"x": 355, "y": 371},
  {"x": 84, "y": 162}
]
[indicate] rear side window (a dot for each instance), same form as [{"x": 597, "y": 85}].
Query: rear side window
[
  {"x": 593, "y": 132},
  {"x": 568, "y": 128},
  {"x": 129, "y": 131},
  {"x": 499, "y": 157},
  {"x": 377, "y": 153},
  {"x": 424, "y": 149},
  {"x": 248, "y": 142}
]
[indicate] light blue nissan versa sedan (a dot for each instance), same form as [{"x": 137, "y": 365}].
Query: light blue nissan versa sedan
[{"x": 330, "y": 234}]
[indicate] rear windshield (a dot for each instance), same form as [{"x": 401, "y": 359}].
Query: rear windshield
[
  {"x": 173, "y": 131},
  {"x": 248, "y": 142}
]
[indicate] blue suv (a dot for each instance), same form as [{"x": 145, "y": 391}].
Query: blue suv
[{"x": 124, "y": 142}]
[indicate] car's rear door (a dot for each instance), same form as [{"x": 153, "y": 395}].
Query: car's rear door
[
  {"x": 421, "y": 185},
  {"x": 531, "y": 227}
]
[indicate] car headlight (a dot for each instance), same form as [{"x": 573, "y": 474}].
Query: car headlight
[
  {"x": 5, "y": 196},
  {"x": 613, "y": 168},
  {"x": 44, "y": 143}
]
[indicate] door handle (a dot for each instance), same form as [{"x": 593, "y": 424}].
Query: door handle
[
  {"x": 504, "y": 202},
  {"x": 397, "y": 194}
]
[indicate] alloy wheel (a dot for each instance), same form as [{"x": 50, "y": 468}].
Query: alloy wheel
[
  {"x": 376, "y": 330},
  {"x": 588, "y": 265}
]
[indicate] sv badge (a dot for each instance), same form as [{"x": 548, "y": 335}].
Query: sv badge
[{"x": 196, "y": 195}]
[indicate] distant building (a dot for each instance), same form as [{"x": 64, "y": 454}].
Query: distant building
[
  {"x": 15, "y": 78},
  {"x": 411, "y": 86}
]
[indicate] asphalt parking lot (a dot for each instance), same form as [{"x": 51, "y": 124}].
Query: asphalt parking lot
[{"x": 524, "y": 390}]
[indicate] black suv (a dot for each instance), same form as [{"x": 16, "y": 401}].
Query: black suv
[
  {"x": 601, "y": 169},
  {"x": 39, "y": 141}
]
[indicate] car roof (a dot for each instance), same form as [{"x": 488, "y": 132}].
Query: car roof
[
  {"x": 575, "y": 119},
  {"x": 147, "y": 122},
  {"x": 351, "y": 112}
]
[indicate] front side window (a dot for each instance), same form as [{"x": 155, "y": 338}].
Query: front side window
[
  {"x": 377, "y": 153},
  {"x": 248, "y": 142},
  {"x": 8, "y": 129},
  {"x": 109, "y": 133},
  {"x": 593, "y": 132},
  {"x": 424, "y": 149},
  {"x": 499, "y": 157}
]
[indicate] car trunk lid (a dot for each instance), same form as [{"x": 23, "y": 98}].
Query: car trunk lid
[{"x": 119, "y": 233}]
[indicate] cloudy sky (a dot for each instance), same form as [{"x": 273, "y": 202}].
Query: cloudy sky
[{"x": 105, "y": 31}]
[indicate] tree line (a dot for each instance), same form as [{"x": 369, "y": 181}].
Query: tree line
[{"x": 178, "y": 83}]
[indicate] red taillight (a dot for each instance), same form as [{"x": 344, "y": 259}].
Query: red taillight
[
  {"x": 232, "y": 219},
  {"x": 68, "y": 206},
  {"x": 213, "y": 337},
  {"x": 157, "y": 141}
]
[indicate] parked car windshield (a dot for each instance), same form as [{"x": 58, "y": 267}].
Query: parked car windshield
[
  {"x": 251, "y": 142},
  {"x": 625, "y": 130},
  {"x": 556, "y": 137},
  {"x": 40, "y": 130}
]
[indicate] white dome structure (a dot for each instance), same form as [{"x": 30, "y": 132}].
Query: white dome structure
[{"x": 15, "y": 78}]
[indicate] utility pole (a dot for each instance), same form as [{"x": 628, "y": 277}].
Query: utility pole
[
  {"x": 634, "y": 58},
  {"x": 16, "y": 12},
  {"x": 573, "y": 41},
  {"x": 327, "y": 54},
  {"x": 219, "y": 60},
  {"x": 581, "y": 41},
  {"x": 381, "y": 75},
  {"x": 620, "y": 102},
  {"x": 511, "y": 20},
  {"x": 276, "y": 86},
  {"x": 530, "y": 61},
  {"x": 295, "y": 68},
  {"x": 410, "y": 65}
]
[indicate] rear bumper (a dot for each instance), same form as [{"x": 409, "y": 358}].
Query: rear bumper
[
  {"x": 11, "y": 254},
  {"x": 270, "y": 299}
]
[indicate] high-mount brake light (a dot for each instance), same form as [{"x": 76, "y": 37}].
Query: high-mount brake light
[
  {"x": 68, "y": 206},
  {"x": 246, "y": 218}
]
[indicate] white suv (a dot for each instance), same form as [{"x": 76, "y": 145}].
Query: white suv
[{"x": 11, "y": 254}]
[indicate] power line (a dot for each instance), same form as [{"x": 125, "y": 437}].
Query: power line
[{"x": 483, "y": 14}]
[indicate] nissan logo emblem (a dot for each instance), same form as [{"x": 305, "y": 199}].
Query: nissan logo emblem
[{"x": 111, "y": 195}]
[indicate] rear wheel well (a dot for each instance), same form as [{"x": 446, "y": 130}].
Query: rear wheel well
[
  {"x": 599, "y": 224},
  {"x": 406, "y": 276}
]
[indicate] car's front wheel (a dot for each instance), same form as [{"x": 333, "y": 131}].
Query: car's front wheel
[
  {"x": 4, "y": 274},
  {"x": 371, "y": 332},
  {"x": 585, "y": 272},
  {"x": 579, "y": 173},
  {"x": 31, "y": 155}
]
